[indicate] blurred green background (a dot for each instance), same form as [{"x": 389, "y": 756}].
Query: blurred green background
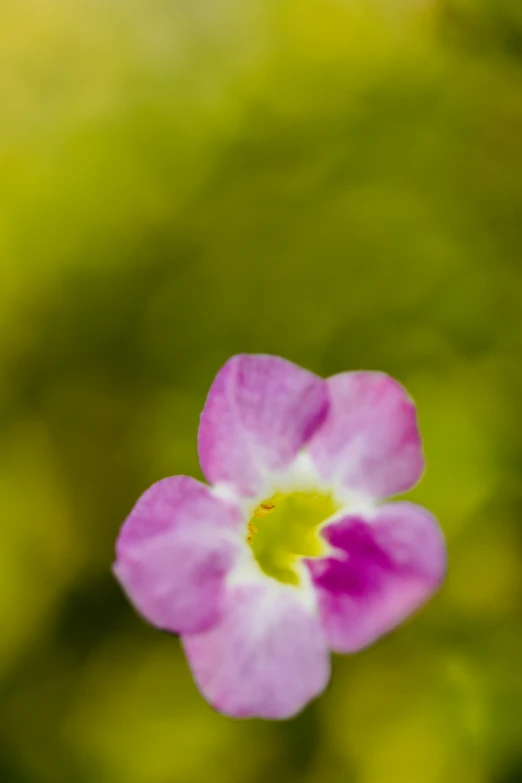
[{"x": 335, "y": 181}]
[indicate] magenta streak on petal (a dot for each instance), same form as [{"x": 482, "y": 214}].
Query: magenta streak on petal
[
  {"x": 385, "y": 569},
  {"x": 260, "y": 411}
]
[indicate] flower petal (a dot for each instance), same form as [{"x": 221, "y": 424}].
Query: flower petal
[
  {"x": 174, "y": 503},
  {"x": 385, "y": 569},
  {"x": 370, "y": 441},
  {"x": 174, "y": 551},
  {"x": 267, "y": 658},
  {"x": 259, "y": 413}
]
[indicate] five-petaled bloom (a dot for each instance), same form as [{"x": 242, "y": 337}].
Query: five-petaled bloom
[{"x": 290, "y": 552}]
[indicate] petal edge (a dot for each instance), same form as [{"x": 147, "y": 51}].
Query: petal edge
[
  {"x": 260, "y": 411},
  {"x": 174, "y": 552},
  {"x": 370, "y": 441},
  {"x": 267, "y": 658}
]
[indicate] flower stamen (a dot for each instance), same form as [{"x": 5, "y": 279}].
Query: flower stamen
[
  {"x": 261, "y": 511},
  {"x": 264, "y": 509}
]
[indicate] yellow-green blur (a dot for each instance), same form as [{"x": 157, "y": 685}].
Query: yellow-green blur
[{"x": 338, "y": 182}]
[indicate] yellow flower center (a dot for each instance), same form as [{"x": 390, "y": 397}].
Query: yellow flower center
[{"x": 285, "y": 528}]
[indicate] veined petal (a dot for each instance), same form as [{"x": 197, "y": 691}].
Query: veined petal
[
  {"x": 174, "y": 551},
  {"x": 266, "y": 658},
  {"x": 370, "y": 441},
  {"x": 260, "y": 411},
  {"x": 385, "y": 569}
]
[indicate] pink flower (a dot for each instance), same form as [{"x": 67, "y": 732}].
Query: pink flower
[{"x": 290, "y": 552}]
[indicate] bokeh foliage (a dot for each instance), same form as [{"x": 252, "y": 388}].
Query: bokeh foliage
[{"x": 335, "y": 181}]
